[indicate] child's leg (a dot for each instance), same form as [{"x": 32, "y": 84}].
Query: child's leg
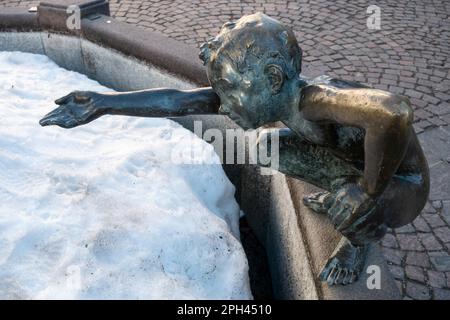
[
  {"x": 398, "y": 205},
  {"x": 321, "y": 167}
]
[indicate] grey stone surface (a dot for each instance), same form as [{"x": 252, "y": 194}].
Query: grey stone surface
[
  {"x": 446, "y": 211},
  {"x": 64, "y": 50},
  {"x": 436, "y": 279},
  {"x": 417, "y": 259},
  {"x": 393, "y": 256},
  {"x": 161, "y": 51},
  {"x": 441, "y": 294},
  {"x": 18, "y": 19},
  {"x": 22, "y": 41},
  {"x": 114, "y": 69},
  {"x": 111, "y": 68},
  {"x": 270, "y": 212},
  {"x": 441, "y": 261},
  {"x": 417, "y": 291},
  {"x": 415, "y": 273}
]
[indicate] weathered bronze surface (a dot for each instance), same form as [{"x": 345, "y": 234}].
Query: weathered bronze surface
[{"x": 353, "y": 141}]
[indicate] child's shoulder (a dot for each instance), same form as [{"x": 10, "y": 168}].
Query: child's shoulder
[{"x": 337, "y": 83}]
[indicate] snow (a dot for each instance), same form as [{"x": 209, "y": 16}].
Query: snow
[{"x": 101, "y": 211}]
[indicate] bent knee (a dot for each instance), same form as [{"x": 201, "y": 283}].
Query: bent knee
[{"x": 403, "y": 200}]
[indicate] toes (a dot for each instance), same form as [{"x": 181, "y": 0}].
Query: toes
[
  {"x": 316, "y": 201},
  {"x": 326, "y": 271},
  {"x": 347, "y": 278},
  {"x": 331, "y": 280},
  {"x": 335, "y": 273},
  {"x": 341, "y": 276},
  {"x": 351, "y": 277}
]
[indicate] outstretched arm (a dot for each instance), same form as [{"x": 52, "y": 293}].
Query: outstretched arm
[{"x": 81, "y": 107}]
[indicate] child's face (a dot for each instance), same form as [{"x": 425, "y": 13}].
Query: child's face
[{"x": 245, "y": 98}]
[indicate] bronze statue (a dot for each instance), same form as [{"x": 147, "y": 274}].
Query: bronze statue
[{"x": 353, "y": 141}]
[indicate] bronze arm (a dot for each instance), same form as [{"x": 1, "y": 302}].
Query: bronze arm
[
  {"x": 162, "y": 102},
  {"x": 386, "y": 118},
  {"x": 81, "y": 107}
]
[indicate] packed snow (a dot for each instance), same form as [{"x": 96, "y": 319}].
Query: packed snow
[{"x": 102, "y": 211}]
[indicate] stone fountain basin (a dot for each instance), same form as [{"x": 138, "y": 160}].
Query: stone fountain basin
[{"x": 286, "y": 244}]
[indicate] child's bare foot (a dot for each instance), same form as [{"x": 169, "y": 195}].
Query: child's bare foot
[
  {"x": 317, "y": 201},
  {"x": 345, "y": 264}
]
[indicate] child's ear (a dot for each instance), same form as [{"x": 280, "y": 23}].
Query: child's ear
[{"x": 276, "y": 77}]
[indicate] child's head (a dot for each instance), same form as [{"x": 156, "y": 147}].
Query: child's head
[{"x": 250, "y": 64}]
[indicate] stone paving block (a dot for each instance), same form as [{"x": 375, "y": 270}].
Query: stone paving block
[
  {"x": 441, "y": 294},
  {"x": 415, "y": 273},
  {"x": 437, "y": 204},
  {"x": 443, "y": 234},
  {"x": 440, "y": 261},
  {"x": 417, "y": 259},
  {"x": 409, "y": 242},
  {"x": 434, "y": 220},
  {"x": 446, "y": 211},
  {"x": 417, "y": 291},
  {"x": 430, "y": 242},
  {"x": 436, "y": 279},
  {"x": 405, "y": 229},
  {"x": 390, "y": 241},
  {"x": 397, "y": 271},
  {"x": 421, "y": 225},
  {"x": 393, "y": 256}
]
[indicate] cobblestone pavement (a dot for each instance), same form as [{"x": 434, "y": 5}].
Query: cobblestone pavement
[{"x": 408, "y": 55}]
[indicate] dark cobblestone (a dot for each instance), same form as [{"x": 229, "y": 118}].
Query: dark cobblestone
[
  {"x": 415, "y": 273},
  {"x": 409, "y": 242},
  {"x": 397, "y": 271},
  {"x": 417, "y": 291},
  {"x": 390, "y": 241},
  {"x": 417, "y": 259},
  {"x": 393, "y": 256},
  {"x": 430, "y": 242},
  {"x": 441, "y": 294},
  {"x": 436, "y": 279}
]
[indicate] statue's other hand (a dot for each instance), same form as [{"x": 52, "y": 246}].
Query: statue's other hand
[
  {"x": 349, "y": 203},
  {"x": 76, "y": 108}
]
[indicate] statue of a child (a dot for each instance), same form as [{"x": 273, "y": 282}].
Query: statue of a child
[{"x": 353, "y": 141}]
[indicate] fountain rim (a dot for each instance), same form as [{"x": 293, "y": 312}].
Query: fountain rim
[{"x": 152, "y": 48}]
